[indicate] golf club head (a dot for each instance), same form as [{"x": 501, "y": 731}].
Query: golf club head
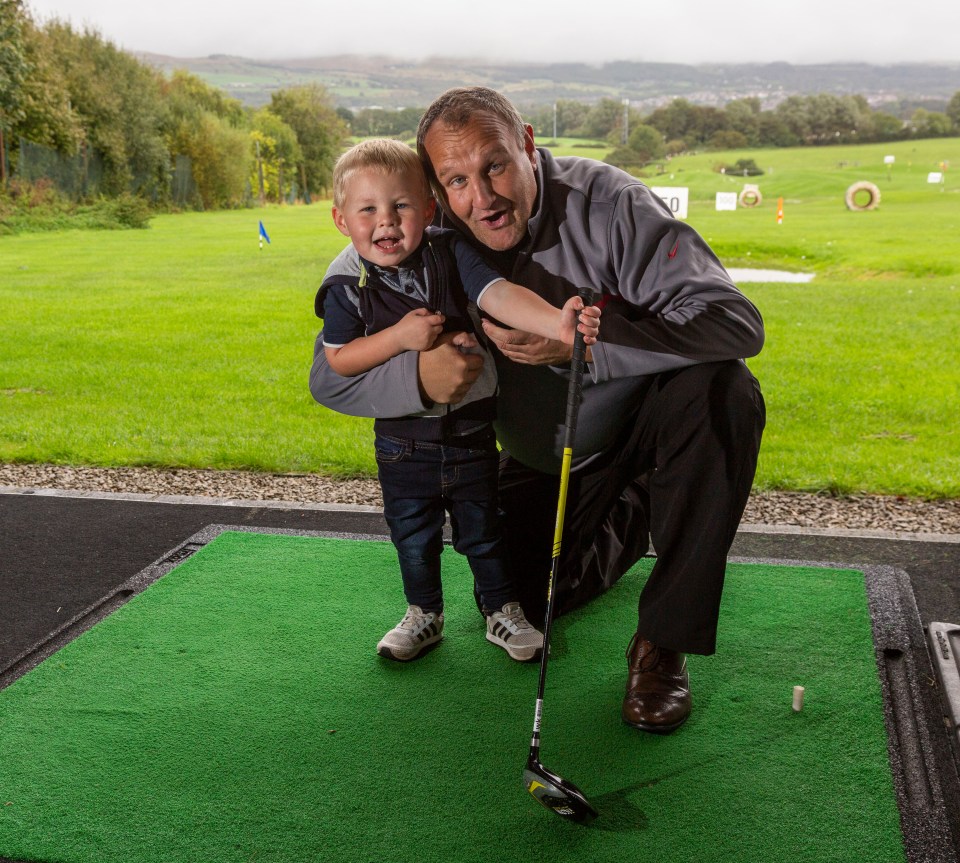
[{"x": 558, "y": 795}]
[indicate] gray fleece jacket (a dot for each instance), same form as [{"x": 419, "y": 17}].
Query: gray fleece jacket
[{"x": 667, "y": 303}]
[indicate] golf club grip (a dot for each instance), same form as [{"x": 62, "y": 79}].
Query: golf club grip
[
  {"x": 575, "y": 390},
  {"x": 577, "y": 363}
]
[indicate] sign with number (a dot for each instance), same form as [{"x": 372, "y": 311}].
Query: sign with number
[
  {"x": 726, "y": 200},
  {"x": 675, "y": 197}
]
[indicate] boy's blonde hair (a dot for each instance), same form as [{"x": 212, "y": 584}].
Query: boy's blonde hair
[{"x": 381, "y": 154}]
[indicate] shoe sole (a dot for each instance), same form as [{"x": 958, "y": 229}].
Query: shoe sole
[
  {"x": 656, "y": 729},
  {"x": 385, "y": 651},
  {"x": 520, "y": 654}
]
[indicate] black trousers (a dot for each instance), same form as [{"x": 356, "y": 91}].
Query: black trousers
[{"x": 679, "y": 475}]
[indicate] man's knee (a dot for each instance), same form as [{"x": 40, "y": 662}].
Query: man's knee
[
  {"x": 737, "y": 403},
  {"x": 725, "y": 396}
]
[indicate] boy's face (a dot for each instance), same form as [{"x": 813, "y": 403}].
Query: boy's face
[{"x": 384, "y": 214}]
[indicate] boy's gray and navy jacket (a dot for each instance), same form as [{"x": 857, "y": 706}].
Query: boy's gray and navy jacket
[
  {"x": 444, "y": 275},
  {"x": 667, "y": 303}
]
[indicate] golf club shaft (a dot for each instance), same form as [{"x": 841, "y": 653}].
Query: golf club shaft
[{"x": 570, "y": 430}]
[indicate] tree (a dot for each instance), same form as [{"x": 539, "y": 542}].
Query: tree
[
  {"x": 772, "y": 131},
  {"x": 885, "y": 127},
  {"x": 47, "y": 118},
  {"x": 541, "y": 118},
  {"x": 279, "y": 153},
  {"x": 187, "y": 96},
  {"x": 647, "y": 141},
  {"x": 930, "y": 124},
  {"x": 695, "y": 124},
  {"x": 625, "y": 158},
  {"x": 603, "y": 118},
  {"x": 118, "y": 104},
  {"x": 209, "y": 128},
  {"x": 564, "y": 115},
  {"x": 792, "y": 114},
  {"x": 727, "y": 139},
  {"x": 346, "y": 115},
  {"x": 826, "y": 119},
  {"x": 674, "y": 120},
  {"x": 14, "y": 70},
  {"x": 953, "y": 110},
  {"x": 743, "y": 116},
  {"x": 219, "y": 159},
  {"x": 321, "y": 133},
  {"x": 385, "y": 122}
]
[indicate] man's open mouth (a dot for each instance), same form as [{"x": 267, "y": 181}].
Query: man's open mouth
[{"x": 495, "y": 220}]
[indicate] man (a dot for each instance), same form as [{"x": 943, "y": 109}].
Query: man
[{"x": 671, "y": 418}]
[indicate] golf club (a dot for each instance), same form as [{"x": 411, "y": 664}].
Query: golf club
[{"x": 547, "y": 788}]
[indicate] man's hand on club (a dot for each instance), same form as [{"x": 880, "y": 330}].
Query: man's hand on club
[{"x": 526, "y": 348}]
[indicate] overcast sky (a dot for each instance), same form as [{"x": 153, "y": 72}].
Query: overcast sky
[{"x": 593, "y": 31}]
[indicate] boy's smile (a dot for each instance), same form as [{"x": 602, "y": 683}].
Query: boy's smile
[{"x": 384, "y": 214}]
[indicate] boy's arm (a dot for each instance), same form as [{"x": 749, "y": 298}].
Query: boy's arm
[
  {"x": 518, "y": 307},
  {"x": 360, "y": 355},
  {"x": 407, "y": 384},
  {"x": 524, "y": 310},
  {"x": 416, "y": 331}
]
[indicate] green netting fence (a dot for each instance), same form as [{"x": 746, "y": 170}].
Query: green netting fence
[{"x": 81, "y": 176}]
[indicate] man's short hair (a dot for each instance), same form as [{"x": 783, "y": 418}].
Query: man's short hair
[
  {"x": 381, "y": 154},
  {"x": 457, "y": 106}
]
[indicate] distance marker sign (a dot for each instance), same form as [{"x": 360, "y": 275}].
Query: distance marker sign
[{"x": 675, "y": 197}]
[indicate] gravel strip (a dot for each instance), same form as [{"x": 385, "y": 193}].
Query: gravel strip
[{"x": 859, "y": 512}]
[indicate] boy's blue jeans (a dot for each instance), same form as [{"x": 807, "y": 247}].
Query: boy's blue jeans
[{"x": 421, "y": 482}]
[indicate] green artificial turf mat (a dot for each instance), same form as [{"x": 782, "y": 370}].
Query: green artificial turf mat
[{"x": 236, "y": 711}]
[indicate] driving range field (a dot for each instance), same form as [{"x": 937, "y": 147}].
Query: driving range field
[{"x": 187, "y": 345}]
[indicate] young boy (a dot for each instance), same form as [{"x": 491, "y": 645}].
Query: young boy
[{"x": 412, "y": 285}]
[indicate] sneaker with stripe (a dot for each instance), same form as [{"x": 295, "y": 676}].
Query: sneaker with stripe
[
  {"x": 418, "y": 630},
  {"x": 509, "y": 629}
]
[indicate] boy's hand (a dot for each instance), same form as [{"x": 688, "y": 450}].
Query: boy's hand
[
  {"x": 418, "y": 330},
  {"x": 589, "y": 321},
  {"x": 466, "y": 342}
]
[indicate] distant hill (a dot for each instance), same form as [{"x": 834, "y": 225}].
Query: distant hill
[{"x": 357, "y": 82}]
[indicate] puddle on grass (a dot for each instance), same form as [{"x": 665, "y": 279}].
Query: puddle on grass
[{"x": 750, "y": 275}]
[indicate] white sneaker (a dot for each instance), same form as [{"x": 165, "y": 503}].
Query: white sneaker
[
  {"x": 509, "y": 629},
  {"x": 410, "y": 636}
]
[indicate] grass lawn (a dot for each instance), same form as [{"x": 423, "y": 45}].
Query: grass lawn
[{"x": 186, "y": 345}]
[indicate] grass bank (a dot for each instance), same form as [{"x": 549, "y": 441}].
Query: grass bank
[{"x": 186, "y": 345}]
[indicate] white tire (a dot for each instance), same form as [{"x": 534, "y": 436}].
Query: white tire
[
  {"x": 872, "y": 191},
  {"x": 750, "y": 197}
]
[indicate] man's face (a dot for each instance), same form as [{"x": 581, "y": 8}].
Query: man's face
[
  {"x": 487, "y": 179},
  {"x": 384, "y": 214}
]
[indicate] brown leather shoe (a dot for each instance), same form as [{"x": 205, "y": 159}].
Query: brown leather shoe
[{"x": 658, "y": 688}]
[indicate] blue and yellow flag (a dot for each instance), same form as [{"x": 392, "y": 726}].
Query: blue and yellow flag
[{"x": 263, "y": 235}]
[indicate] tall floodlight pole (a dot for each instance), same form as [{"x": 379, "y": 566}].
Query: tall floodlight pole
[{"x": 626, "y": 121}]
